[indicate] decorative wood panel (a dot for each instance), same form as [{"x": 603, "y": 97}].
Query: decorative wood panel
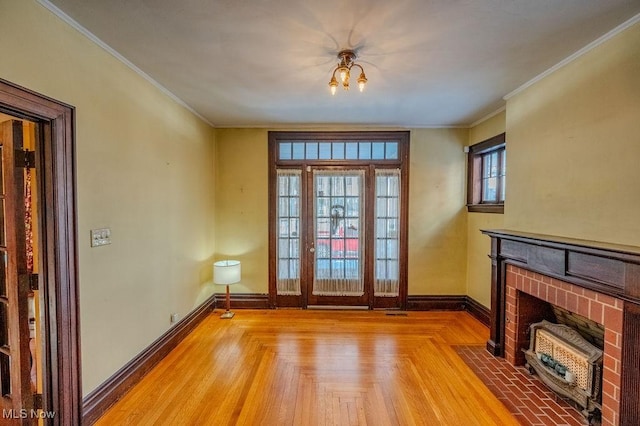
[
  {"x": 595, "y": 268},
  {"x": 515, "y": 250},
  {"x": 546, "y": 259}
]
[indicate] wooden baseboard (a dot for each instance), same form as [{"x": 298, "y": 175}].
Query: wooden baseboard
[
  {"x": 479, "y": 311},
  {"x": 436, "y": 303},
  {"x": 414, "y": 303},
  {"x": 243, "y": 301},
  {"x": 104, "y": 396},
  {"x": 449, "y": 303}
]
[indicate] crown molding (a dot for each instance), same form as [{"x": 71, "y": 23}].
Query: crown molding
[
  {"x": 617, "y": 30},
  {"x": 88, "y": 34},
  {"x": 329, "y": 126},
  {"x": 488, "y": 116}
]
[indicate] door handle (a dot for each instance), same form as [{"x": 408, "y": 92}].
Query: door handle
[{"x": 312, "y": 250}]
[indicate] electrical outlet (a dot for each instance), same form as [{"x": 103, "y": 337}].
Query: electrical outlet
[
  {"x": 174, "y": 318},
  {"x": 100, "y": 237}
]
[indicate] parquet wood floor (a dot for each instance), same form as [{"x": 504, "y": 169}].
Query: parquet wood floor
[{"x": 304, "y": 367}]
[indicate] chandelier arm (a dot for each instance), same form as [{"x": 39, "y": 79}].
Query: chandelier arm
[{"x": 346, "y": 63}]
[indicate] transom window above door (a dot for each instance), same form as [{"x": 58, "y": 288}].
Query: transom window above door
[{"x": 338, "y": 150}]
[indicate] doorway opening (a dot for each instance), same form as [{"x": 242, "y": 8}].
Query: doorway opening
[
  {"x": 21, "y": 333},
  {"x": 39, "y": 333},
  {"x": 338, "y": 209}
]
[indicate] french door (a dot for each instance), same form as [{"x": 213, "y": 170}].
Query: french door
[
  {"x": 17, "y": 389},
  {"x": 338, "y": 219},
  {"x": 336, "y": 244}
]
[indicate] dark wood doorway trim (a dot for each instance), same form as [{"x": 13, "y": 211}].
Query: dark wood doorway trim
[
  {"x": 55, "y": 162},
  {"x": 401, "y": 162}
]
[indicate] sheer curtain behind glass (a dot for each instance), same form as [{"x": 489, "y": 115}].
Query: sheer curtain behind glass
[
  {"x": 387, "y": 232},
  {"x": 338, "y": 230},
  {"x": 288, "y": 246}
]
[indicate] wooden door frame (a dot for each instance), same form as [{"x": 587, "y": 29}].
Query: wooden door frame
[
  {"x": 56, "y": 180},
  {"x": 403, "y": 137}
]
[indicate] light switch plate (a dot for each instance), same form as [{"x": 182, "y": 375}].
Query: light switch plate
[{"x": 100, "y": 237}]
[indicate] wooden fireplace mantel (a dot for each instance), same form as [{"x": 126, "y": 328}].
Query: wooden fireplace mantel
[{"x": 604, "y": 268}]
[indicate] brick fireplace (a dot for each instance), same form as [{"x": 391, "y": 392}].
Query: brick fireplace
[
  {"x": 596, "y": 281},
  {"x": 598, "y": 307}
]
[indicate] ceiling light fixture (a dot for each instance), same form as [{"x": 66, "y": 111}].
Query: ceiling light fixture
[{"x": 347, "y": 58}]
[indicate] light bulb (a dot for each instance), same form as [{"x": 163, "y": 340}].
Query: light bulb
[
  {"x": 333, "y": 84},
  {"x": 362, "y": 81},
  {"x": 344, "y": 73}
]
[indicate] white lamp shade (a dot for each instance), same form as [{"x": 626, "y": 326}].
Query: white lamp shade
[{"x": 226, "y": 272}]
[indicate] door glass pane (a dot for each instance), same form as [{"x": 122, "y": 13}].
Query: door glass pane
[
  {"x": 288, "y": 247},
  {"x": 294, "y": 207},
  {"x": 387, "y": 278},
  {"x": 3, "y": 238},
  {"x": 338, "y": 227},
  {"x": 3, "y": 273},
  {"x": 4, "y": 325},
  {"x": 5, "y": 379},
  {"x": 1, "y": 171}
]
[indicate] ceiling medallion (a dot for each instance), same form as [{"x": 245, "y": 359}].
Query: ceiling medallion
[{"x": 347, "y": 58}]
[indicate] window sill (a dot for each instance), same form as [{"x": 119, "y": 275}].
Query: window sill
[{"x": 485, "y": 208}]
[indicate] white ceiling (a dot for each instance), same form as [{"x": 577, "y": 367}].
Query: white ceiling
[{"x": 268, "y": 62}]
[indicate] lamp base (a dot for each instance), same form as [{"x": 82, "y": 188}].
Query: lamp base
[{"x": 227, "y": 315}]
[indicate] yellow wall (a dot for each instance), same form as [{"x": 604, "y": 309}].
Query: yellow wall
[
  {"x": 478, "y": 244},
  {"x": 573, "y": 150},
  {"x": 437, "y": 212},
  {"x": 437, "y": 224},
  {"x": 242, "y": 194},
  {"x": 144, "y": 169}
]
